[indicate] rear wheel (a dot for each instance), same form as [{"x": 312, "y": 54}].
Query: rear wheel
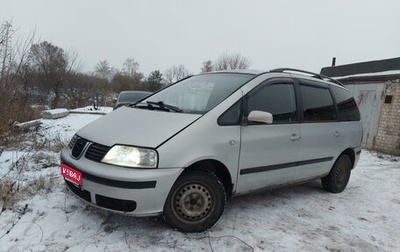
[
  {"x": 337, "y": 179},
  {"x": 195, "y": 202}
]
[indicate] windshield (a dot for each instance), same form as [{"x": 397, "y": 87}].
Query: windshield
[
  {"x": 131, "y": 97},
  {"x": 200, "y": 93}
]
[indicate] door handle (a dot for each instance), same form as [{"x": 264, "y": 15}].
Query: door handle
[
  {"x": 337, "y": 134},
  {"x": 294, "y": 137}
]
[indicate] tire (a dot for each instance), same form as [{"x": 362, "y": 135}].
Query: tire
[
  {"x": 196, "y": 202},
  {"x": 337, "y": 179}
]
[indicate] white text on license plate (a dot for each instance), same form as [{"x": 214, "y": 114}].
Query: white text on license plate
[{"x": 71, "y": 174}]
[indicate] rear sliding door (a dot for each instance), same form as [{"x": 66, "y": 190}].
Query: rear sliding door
[{"x": 321, "y": 135}]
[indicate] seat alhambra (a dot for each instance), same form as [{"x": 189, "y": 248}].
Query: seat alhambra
[{"x": 186, "y": 150}]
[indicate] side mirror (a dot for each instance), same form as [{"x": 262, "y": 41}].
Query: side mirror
[
  {"x": 114, "y": 100},
  {"x": 260, "y": 117}
]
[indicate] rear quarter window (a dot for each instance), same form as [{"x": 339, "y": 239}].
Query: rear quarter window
[{"x": 347, "y": 106}]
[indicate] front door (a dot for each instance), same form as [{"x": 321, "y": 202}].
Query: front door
[{"x": 269, "y": 153}]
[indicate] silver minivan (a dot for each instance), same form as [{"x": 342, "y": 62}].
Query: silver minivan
[{"x": 184, "y": 151}]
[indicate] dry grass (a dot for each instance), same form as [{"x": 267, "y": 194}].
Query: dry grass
[
  {"x": 33, "y": 153},
  {"x": 57, "y": 144},
  {"x": 13, "y": 190},
  {"x": 14, "y": 108},
  {"x": 43, "y": 183},
  {"x": 9, "y": 193}
]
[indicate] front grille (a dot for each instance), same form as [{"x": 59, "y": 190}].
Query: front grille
[
  {"x": 83, "y": 194},
  {"x": 96, "y": 152},
  {"x": 73, "y": 141},
  {"x": 115, "y": 204},
  {"x": 79, "y": 145}
]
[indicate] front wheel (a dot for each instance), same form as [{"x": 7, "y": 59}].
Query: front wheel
[
  {"x": 337, "y": 179},
  {"x": 195, "y": 202}
]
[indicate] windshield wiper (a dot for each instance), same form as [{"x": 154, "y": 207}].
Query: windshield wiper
[
  {"x": 157, "y": 106},
  {"x": 164, "y": 106}
]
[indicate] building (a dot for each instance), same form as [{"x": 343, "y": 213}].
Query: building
[{"x": 376, "y": 88}]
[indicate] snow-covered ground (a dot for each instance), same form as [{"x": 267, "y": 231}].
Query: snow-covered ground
[{"x": 365, "y": 217}]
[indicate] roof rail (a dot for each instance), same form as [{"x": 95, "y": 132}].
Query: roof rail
[{"x": 315, "y": 75}]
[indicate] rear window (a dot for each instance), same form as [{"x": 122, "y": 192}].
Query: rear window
[{"x": 347, "y": 106}]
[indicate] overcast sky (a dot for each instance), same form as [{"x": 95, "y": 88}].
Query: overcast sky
[{"x": 161, "y": 33}]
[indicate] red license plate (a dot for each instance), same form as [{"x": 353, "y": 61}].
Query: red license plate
[{"x": 71, "y": 174}]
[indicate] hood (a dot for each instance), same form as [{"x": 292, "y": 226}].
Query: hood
[{"x": 138, "y": 127}]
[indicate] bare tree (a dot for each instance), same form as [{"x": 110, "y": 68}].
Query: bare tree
[
  {"x": 231, "y": 61},
  {"x": 54, "y": 66},
  {"x": 103, "y": 70},
  {"x": 72, "y": 77},
  {"x": 13, "y": 56},
  {"x": 175, "y": 73},
  {"x": 73, "y": 62},
  {"x": 5, "y": 50},
  {"x": 207, "y": 66},
  {"x": 121, "y": 81},
  {"x": 130, "y": 66},
  {"x": 13, "y": 74}
]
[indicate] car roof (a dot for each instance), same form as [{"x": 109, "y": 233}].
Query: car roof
[
  {"x": 135, "y": 91},
  {"x": 285, "y": 72},
  {"x": 238, "y": 71}
]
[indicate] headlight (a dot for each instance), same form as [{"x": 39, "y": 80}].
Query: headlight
[{"x": 131, "y": 157}]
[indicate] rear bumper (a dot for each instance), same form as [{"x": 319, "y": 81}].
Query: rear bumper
[{"x": 357, "y": 152}]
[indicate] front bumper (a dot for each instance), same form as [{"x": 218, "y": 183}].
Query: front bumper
[{"x": 137, "y": 192}]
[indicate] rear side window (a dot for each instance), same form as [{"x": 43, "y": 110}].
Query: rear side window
[
  {"x": 347, "y": 106},
  {"x": 318, "y": 104}
]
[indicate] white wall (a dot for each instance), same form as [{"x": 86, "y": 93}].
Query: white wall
[{"x": 369, "y": 99}]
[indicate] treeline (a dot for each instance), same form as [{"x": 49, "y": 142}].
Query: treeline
[{"x": 37, "y": 75}]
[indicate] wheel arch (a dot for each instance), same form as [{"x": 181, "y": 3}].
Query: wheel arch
[
  {"x": 219, "y": 169},
  {"x": 349, "y": 152}
]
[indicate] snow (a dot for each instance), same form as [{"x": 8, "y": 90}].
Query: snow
[
  {"x": 383, "y": 73},
  {"x": 92, "y": 110},
  {"x": 55, "y": 113},
  {"x": 365, "y": 217}
]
